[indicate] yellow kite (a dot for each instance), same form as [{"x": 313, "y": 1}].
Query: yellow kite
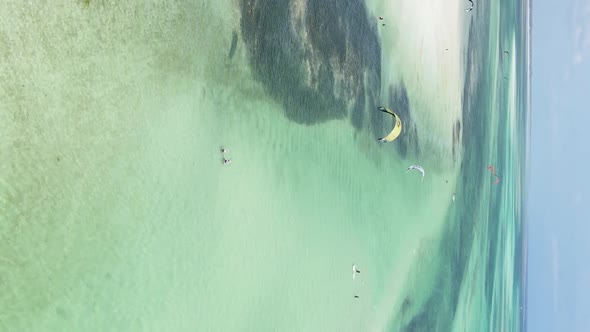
[{"x": 397, "y": 128}]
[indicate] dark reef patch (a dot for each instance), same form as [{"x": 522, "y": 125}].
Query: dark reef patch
[
  {"x": 316, "y": 59},
  {"x": 456, "y": 137},
  {"x": 400, "y": 104},
  {"x": 358, "y": 110},
  {"x": 233, "y": 45}
]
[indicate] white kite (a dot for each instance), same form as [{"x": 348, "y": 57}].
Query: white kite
[{"x": 418, "y": 168}]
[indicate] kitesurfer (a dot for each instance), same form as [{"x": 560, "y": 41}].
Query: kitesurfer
[{"x": 354, "y": 271}]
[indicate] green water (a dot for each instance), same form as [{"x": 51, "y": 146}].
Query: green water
[{"x": 117, "y": 214}]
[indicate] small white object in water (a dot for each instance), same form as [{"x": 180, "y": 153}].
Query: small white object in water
[
  {"x": 418, "y": 168},
  {"x": 453, "y": 197}
]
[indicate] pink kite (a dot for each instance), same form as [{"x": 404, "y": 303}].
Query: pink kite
[{"x": 493, "y": 170}]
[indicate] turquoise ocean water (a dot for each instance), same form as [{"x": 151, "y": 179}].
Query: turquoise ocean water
[{"x": 117, "y": 214}]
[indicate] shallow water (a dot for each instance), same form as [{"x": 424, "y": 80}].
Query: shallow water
[{"x": 118, "y": 214}]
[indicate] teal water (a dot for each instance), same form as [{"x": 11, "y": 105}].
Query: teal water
[{"x": 117, "y": 214}]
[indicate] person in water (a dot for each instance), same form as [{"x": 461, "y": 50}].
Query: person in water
[
  {"x": 226, "y": 161},
  {"x": 224, "y": 150},
  {"x": 354, "y": 271},
  {"x": 356, "y": 296}
]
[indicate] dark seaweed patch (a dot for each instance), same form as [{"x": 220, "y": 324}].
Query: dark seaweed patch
[
  {"x": 357, "y": 117},
  {"x": 400, "y": 103},
  {"x": 234, "y": 44},
  {"x": 302, "y": 73}
]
